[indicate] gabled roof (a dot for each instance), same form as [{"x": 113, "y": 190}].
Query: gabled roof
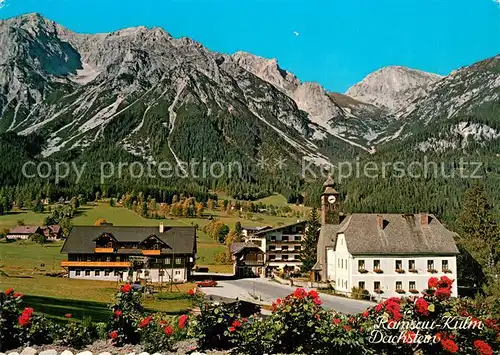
[
  {"x": 401, "y": 234},
  {"x": 235, "y": 248},
  {"x": 80, "y": 240},
  {"x": 24, "y": 230},
  {"x": 280, "y": 227}
]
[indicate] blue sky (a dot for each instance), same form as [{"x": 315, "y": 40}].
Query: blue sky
[{"x": 336, "y": 43}]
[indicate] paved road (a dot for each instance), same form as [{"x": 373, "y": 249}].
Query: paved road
[{"x": 268, "y": 291}]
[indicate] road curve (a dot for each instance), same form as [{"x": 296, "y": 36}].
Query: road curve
[{"x": 267, "y": 291}]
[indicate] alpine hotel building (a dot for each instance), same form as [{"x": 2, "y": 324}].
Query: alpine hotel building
[
  {"x": 112, "y": 253},
  {"x": 384, "y": 254}
]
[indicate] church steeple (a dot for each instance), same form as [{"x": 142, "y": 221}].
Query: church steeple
[{"x": 330, "y": 204}]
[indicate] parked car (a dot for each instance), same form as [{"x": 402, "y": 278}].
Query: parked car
[{"x": 206, "y": 283}]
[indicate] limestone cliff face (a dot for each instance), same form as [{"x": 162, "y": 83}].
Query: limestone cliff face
[{"x": 393, "y": 87}]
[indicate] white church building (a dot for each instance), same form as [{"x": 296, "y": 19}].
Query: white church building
[{"x": 385, "y": 254}]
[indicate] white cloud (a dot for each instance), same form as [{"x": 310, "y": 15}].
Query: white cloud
[
  {"x": 2, "y": 3},
  {"x": 298, "y": 34},
  {"x": 497, "y": 2}
]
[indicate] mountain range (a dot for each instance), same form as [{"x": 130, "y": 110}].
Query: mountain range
[{"x": 159, "y": 98}]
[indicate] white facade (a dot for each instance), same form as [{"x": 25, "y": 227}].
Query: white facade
[
  {"x": 18, "y": 236},
  {"x": 348, "y": 271},
  {"x": 151, "y": 275}
]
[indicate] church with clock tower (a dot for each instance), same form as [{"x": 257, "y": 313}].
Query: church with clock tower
[{"x": 384, "y": 254}]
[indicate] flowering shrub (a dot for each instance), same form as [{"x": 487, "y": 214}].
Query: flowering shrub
[
  {"x": 77, "y": 335},
  {"x": 125, "y": 320}
]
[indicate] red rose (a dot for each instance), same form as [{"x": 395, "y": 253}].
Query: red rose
[
  {"x": 169, "y": 330},
  {"x": 422, "y": 307},
  {"x": 317, "y": 301},
  {"x": 232, "y": 329},
  {"x": 379, "y": 307},
  {"x": 313, "y": 294},
  {"x": 397, "y": 316},
  {"x": 113, "y": 334},
  {"x": 445, "y": 281},
  {"x": 244, "y": 320},
  {"x": 336, "y": 321},
  {"x": 393, "y": 308},
  {"x": 449, "y": 345},
  {"x": 126, "y": 288},
  {"x": 9, "y": 291},
  {"x": 346, "y": 327},
  {"x": 393, "y": 300},
  {"x": 17, "y": 294},
  {"x": 28, "y": 311},
  {"x": 300, "y": 293},
  {"x": 433, "y": 282},
  {"x": 163, "y": 322},
  {"x": 68, "y": 315},
  {"x": 145, "y": 322},
  {"x": 236, "y": 324},
  {"x": 442, "y": 293},
  {"x": 182, "y": 321},
  {"x": 366, "y": 314},
  {"x": 24, "y": 320},
  {"x": 278, "y": 301},
  {"x": 192, "y": 292},
  {"x": 118, "y": 313},
  {"x": 483, "y": 348}
]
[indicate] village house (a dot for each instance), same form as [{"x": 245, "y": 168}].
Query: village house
[
  {"x": 152, "y": 254},
  {"x": 23, "y": 232},
  {"x": 51, "y": 233},
  {"x": 282, "y": 246},
  {"x": 385, "y": 254},
  {"x": 248, "y": 259}
]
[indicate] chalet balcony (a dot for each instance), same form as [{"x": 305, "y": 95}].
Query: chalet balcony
[
  {"x": 104, "y": 250},
  {"x": 281, "y": 251},
  {"x": 111, "y": 264},
  {"x": 151, "y": 252},
  {"x": 278, "y": 242}
]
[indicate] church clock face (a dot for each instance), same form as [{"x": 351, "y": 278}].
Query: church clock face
[{"x": 332, "y": 199}]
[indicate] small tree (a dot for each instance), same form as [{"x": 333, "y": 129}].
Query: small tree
[
  {"x": 38, "y": 238},
  {"x": 308, "y": 254}
]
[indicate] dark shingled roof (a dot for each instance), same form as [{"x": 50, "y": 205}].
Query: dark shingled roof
[
  {"x": 182, "y": 240},
  {"x": 237, "y": 247},
  {"x": 401, "y": 234},
  {"x": 280, "y": 227}
]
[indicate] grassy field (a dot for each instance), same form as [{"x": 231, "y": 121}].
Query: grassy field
[{"x": 24, "y": 265}]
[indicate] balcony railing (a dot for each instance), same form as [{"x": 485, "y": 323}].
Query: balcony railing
[
  {"x": 104, "y": 250},
  {"x": 95, "y": 263},
  {"x": 283, "y": 241},
  {"x": 151, "y": 252},
  {"x": 281, "y": 251}
]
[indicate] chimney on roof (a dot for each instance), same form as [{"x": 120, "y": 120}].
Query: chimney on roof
[
  {"x": 162, "y": 228},
  {"x": 424, "y": 219},
  {"x": 380, "y": 221}
]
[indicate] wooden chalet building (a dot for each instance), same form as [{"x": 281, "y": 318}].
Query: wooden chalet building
[
  {"x": 108, "y": 252},
  {"x": 248, "y": 259}
]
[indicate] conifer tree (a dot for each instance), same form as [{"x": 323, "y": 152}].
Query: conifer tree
[{"x": 310, "y": 242}]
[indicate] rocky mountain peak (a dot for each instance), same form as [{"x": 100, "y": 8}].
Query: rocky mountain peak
[{"x": 393, "y": 87}]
